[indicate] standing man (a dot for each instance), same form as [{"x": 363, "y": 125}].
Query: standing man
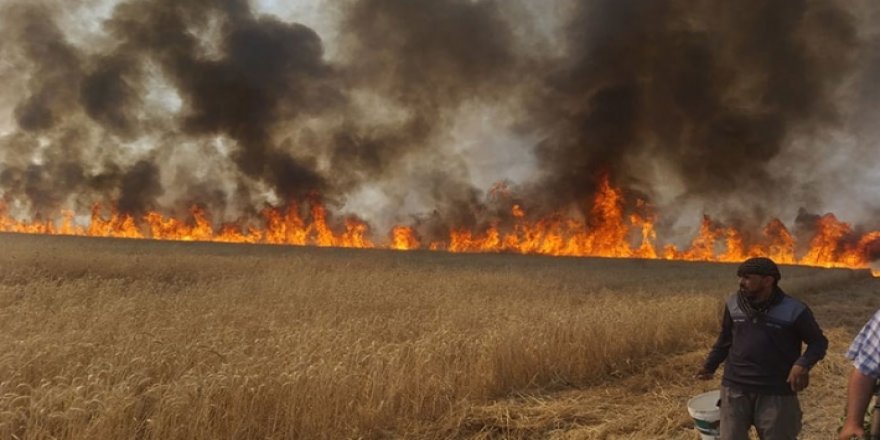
[
  {"x": 865, "y": 354},
  {"x": 761, "y": 339}
]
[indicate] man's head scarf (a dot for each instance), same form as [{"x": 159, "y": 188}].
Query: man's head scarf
[{"x": 765, "y": 267}]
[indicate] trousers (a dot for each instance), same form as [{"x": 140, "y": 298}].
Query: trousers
[{"x": 775, "y": 417}]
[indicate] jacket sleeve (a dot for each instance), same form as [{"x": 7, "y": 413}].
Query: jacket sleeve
[
  {"x": 722, "y": 345},
  {"x": 809, "y": 332}
]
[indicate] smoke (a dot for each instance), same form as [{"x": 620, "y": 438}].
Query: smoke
[
  {"x": 108, "y": 94},
  {"x": 714, "y": 94},
  {"x": 732, "y": 109},
  {"x": 53, "y": 66},
  {"x": 139, "y": 186}
]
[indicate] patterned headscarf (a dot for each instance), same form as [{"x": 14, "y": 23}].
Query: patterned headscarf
[{"x": 759, "y": 310}]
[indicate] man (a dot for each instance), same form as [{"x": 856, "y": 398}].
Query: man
[
  {"x": 865, "y": 354},
  {"x": 761, "y": 339}
]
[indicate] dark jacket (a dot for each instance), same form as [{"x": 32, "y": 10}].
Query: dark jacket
[{"x": 760, "y": 352}]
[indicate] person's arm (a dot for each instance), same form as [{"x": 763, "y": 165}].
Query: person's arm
[
  {"x": 865, "y": 354},
  {"x": 817, "y": 344},
  {"x": 858, "y": 394},
  {"x": 809, "y": 332},
  {"x": 719, "y": 351}
]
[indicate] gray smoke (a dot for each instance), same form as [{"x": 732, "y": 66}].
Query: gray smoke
[
  {"x": 713, "y": 92},
  {"x": 726, "y": 107}
]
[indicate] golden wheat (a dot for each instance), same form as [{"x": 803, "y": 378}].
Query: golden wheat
[{"x": 136, "y": 339}]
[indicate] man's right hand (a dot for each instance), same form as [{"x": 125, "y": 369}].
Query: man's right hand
[
  {"x": 704, "y": 375},
  {"x": 851, "y": 431}
]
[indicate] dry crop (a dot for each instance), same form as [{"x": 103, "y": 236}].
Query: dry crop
[{"x": 103, "y": 338}]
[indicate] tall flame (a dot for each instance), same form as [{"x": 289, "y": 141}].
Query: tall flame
[
  {"x": 605, "y": 231},
  {"x": 403, "y": 238}
]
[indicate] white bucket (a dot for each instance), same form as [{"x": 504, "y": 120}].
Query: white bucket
[{"x": 706, "y": 414}]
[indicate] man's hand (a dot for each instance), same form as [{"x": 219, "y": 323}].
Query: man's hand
[
  {"x": 850, "y": 431},
  {"x": 798, "y": 378},
  {"x": 703, "y": 375},
  {"x": 858, "y": 396}
]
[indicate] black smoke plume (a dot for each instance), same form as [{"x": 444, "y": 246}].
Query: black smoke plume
[
  {"x": 713, "y": 92},
  {"x": 216, "y": 103}
]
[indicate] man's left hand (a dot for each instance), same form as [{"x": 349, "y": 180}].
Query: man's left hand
[{"x": 798, "y": 378}]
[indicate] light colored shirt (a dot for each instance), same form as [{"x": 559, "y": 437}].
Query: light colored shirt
[{"x": 865, "y": 348}]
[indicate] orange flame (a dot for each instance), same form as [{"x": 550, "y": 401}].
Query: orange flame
[
  {"x": 780, "y": 242},
  {"x": 605, "y": 231},
  {"x": 403, "y": 238}
]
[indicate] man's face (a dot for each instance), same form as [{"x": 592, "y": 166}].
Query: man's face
[{"x": 752, "y": 285}]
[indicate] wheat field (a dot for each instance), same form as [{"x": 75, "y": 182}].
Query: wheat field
[{"x": 107, "y": 339}]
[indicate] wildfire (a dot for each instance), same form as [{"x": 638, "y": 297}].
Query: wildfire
[
  {"x": 403, "y": 238},
  {"x": 604, "y": 231}
]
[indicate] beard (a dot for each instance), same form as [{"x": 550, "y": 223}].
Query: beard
[{"x": 751, "y": 294}]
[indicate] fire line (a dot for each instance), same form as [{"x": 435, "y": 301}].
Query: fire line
[{"x": 608, "y": 232}]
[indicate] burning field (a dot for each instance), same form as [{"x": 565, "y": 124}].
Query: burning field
[
  {"x": 607, "y": 234},
  {"x": 659, "y": 130},
  {"x": 106, "y": 338}
]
